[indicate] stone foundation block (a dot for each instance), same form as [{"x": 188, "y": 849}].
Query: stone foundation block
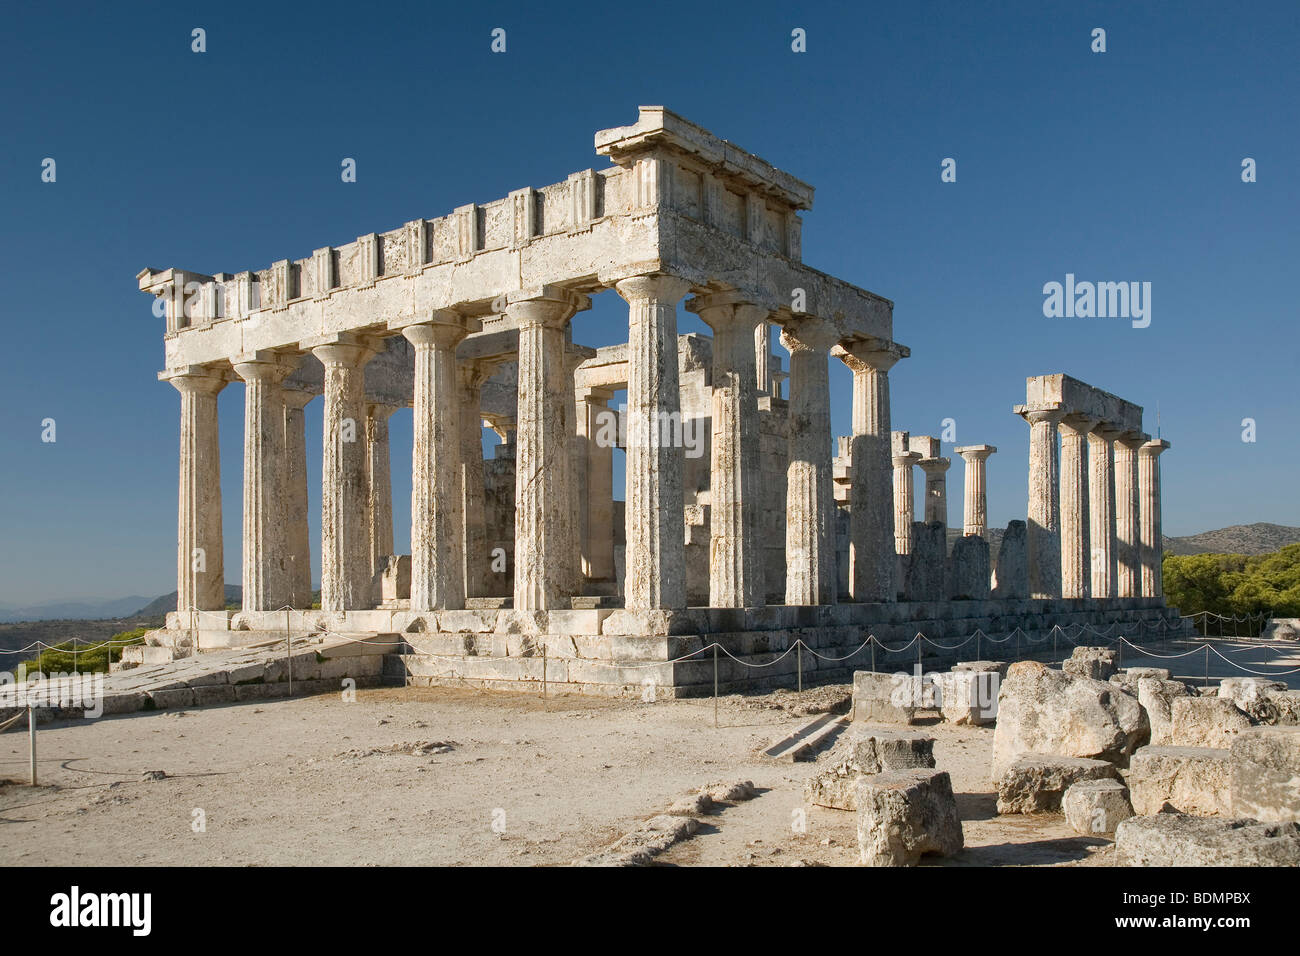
[
  {"x": 862, "y": 751},
  {"x": 1175, "y": 839},
  {"x": 1157, "y": 697},
  {"x": 884, "y": 698},
  {"x": 169, "y": 699},
  {"x": 1191, "y": 780},
  {"x": 1036, "y": 783},
  {"x": 1096, "y": 807},
  {"x": 1205, "y": 722},
  {"x": 1096, "y": 663},
  {"x": 1266, "y": 774},
  {"x": 903, "y": 814}
]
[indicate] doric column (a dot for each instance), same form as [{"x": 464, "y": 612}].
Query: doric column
[
  {"x": 1076, "y": 540},
  {"x": 379, "y": 485},
  {"x": 1101, "y": 509},
  {"x": 763, "y": 358},
  {"x": 810, "y": 576},
  {"x": 655, "y": 557},
  {"x": 596, "y": 434},
  {"x": 575, "y": 355},
  {"x": 1044, "y": 532},
  {"x": 297, "y": 532},
  {"x": 936, "y": 489},
  {"x": 872, "y": 548},
  {"x": 735, "y": 562},
  {"x": 1128, "y": 569},
  {"x": 904, "y": 493},
  {"x": 1149, "y": 495},
  {"x": 265, "y": 559},
  {"x": 543, "y": 554},
  {"x": 975, "y": 506},
  {"x": 345, "y": 526},
  {"x": 437, "y": 553},
  {"x": 478, "y": 565},
  {"x": 200, "y": 574}
]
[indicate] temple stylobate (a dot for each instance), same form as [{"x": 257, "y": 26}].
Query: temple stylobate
[{"x": 737, "y": 523}]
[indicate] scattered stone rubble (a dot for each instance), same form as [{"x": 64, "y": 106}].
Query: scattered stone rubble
[
  {"x": 903, "y": 814},
  {"x": 1096, "y": 807},
  {"x": 862, "y": 751},
  {"x": 1036, "y": 783}
]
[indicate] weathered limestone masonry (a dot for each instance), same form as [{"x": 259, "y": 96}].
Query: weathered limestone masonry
[{"x": 733, "y": 499}]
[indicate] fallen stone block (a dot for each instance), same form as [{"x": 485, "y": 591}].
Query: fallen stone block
[
  {"x": 885, "y": 698},
  {"x": 1127, "y": 679},
  {"x": 1176, "y": 839},
  {"x": 1095, "y": 807},
  {"x": 1157, "y": 697},
  {"x": 1205, "y": 722},
  {"x": 1095, "y": 663},
  {"x": 903, "y": 814},
  {"x": 862, "y": 751},
  {"x": 968, "y": 697},
  {"x": 1045, "y": 711},
  {"x": 1266, "y": 774},
  {"x": 1036, "y": 783},
  {"x": 1191, "y": 780},
  {"x": 1000, "y": 667},
  {"x": 1264, "y": 701}
]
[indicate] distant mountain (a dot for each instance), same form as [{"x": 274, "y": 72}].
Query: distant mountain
[
  {"x": 84, "y": 609},
  {"x": 158, "y": 607},
  {"x": 1259, "y": 538}
]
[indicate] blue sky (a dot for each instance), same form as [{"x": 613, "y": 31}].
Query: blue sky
[{"x": 1122, "y": 166}]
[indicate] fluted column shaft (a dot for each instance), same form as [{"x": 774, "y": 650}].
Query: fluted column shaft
[
  {"x": 478, "y": 564},
  {"x": 596, "y": 484},
  {"x": 544, "y": 557},
  {"x": 437, "y": 553},
  {"x": 872, "y": 548},
  {"x": 763, "y": 357},
  {"x": 297, "y": 533},
  {"x": 1101, "y": 510},
  {"x": 1044, "y": 531},
  {"x": 379, "y": 483},
  {"x": 810, "y": 576},
  {"x": 1076, "y": 539},
  {"x": 200, "y": 574},
  {"x": 936, "y": 489},
  {"x": 904, "y": 497},
  {"x": 1128, "y": 567},
  {"x": 655, "y": 556},
  {"x": 265, "y": 563},
  {"x": 1152, "y": 541},
  {"x": 975, "y": 508},
  {"x": 345, "y": 527},
  {"x": 735, "y": 562}
]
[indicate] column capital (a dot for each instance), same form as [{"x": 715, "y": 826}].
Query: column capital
[
  {"x": 1078, "y": 425},
  {"x": 380, "y": 410},
  {"x": 722, "y": 309},
  {"x": 297, "y": 398},
  {"x": 1037, "y": 414},
  {"x": 452, "y": 317},
  {"x": 344, "y": 350},
  {"x": 661, "y": 287},
  {"x": 976, "y": 452},
  {"x": 549, "y": 306},
  {"x": 809, "y": 333},
  {"x": 1132, "y": 440},
  {"x": 933, "y": 466},
  {"x": 264, "y": 366},
  {"x": 877, "y": 355},
  {"x": 197, "y": 379},
  {"x": 903, "y": 458},
  {"x": 1153, "y": 447},
  {"x": 443, "y": 329},
  {"x": 474, "y": 373}
]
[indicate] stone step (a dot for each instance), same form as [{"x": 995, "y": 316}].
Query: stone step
[{"x": 806, "y": 741}]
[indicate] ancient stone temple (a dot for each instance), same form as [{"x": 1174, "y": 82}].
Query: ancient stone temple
[{"x": 736, "y": 524}]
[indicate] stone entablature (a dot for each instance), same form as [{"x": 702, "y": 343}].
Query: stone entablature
[{"x": 585, "y": 234}]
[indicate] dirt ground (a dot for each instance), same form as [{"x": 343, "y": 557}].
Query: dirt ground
[{"x": 445, "y": 776}]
